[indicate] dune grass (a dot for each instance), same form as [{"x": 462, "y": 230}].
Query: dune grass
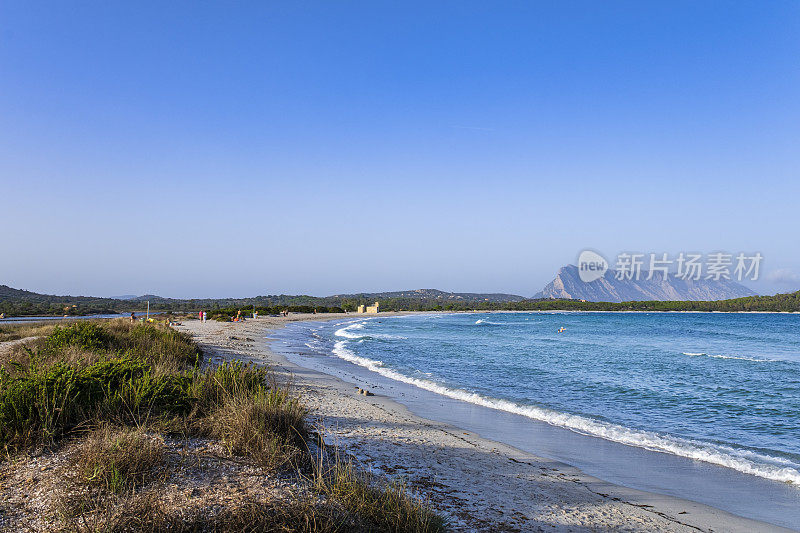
[
  {"x": 144, "y": 513},
  {"x": 119, "y": 458},
  {"x": 39, "y": 404},
  {"x": 383, "y": 505},
  {"x": 103, "y": 382},
  {"x": 267, "y": 426},
  {"x": 12, "y": 332}
]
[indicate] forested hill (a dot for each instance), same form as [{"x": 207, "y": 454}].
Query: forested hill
[
  {"x": 15, "y": 302},
  {"x": 789, "y": 302},
  {"x": 436, "y": 295}
]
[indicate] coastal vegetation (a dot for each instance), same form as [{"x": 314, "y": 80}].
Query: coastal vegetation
[
  {"x": 126, "y": 403},
  {"x": 14, "y": 302}
]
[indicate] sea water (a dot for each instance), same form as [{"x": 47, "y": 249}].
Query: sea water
[{"x": 718, "y": 389}]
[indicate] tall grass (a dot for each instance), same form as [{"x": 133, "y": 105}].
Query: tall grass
[
  {"x": 88, "y": 373},
  {"x": 40, "y": 404},
  {"x": 86, "y": 335},
  {"x": 12, "y": 332},
  {"x": 161, "y": 346},
  {"x": 105, "y": 381},
  {"x": 144, "y": 513},
  {"x": 118, "y": 459},
  {"x": 266, "y": 426},
  {"x": 213, "y": 386},
  {"x": 383, "y": 505}
]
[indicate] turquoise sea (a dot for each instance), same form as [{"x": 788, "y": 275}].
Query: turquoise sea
[{"x": 715, "y": 389}]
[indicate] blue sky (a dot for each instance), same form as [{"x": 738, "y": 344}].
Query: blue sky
[{"x": 208, "y": 150}]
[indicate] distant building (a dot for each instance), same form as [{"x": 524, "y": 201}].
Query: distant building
[{"x": 369, "y": 310}]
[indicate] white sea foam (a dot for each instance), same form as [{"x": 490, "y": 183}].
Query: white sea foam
[
  {"x": 737, "y": 357},
  {"x": 745, "y": 461},
  {"x": 348, "y": 333},
  {"x": 519, "y": 323},
  {"x": 489, "y": 323}
]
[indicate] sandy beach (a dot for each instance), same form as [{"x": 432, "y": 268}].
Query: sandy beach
[{"x": 481, "y": 485}]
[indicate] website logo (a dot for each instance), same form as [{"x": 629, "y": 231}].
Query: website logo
[
  {"x": 591, "y": 266},
  {"x": 685, "y": 266}
]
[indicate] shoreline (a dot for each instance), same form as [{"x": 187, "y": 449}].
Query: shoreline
[
  {"x": 323, "y": 316},
  {"x": 479, "y": 483}
]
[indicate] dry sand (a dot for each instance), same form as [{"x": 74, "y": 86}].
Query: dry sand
[{"x": 479, "y": 484}]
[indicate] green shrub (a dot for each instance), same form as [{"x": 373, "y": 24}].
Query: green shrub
[
  {"x": 154, "y": 343},
  {"x": 41, "y": 404},
  {"x": 86, "y": 335},
  {"x": 213, "y": 386}
]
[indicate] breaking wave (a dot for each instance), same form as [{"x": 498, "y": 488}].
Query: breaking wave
[
  {"x": 736, "y": 357},
  {"x": 348, "y": 333},
  {"x": 742, "y": 460}
]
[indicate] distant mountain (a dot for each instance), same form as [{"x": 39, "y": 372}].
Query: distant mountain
[
  {"x": 17, "y": 302},
  {"x": 568, "y": 285},
  {"x": 10, "y": 294}
]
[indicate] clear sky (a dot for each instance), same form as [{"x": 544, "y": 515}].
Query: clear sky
[{"x": 233, "y": 149}]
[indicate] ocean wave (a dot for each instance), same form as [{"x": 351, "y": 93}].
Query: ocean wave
[
  {"x": 347, "y": 333},
  {"x": 737, "y": 357},
  {"x": 746, "y": 461},
  {"x": 488, "y": 322}
]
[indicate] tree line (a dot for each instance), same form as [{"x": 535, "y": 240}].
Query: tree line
[{"x": 15, "y": 302}]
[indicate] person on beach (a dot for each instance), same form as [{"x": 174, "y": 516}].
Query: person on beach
[
  {"x": 133, "y": 318},
  {"x": 204, "y": 316}
]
